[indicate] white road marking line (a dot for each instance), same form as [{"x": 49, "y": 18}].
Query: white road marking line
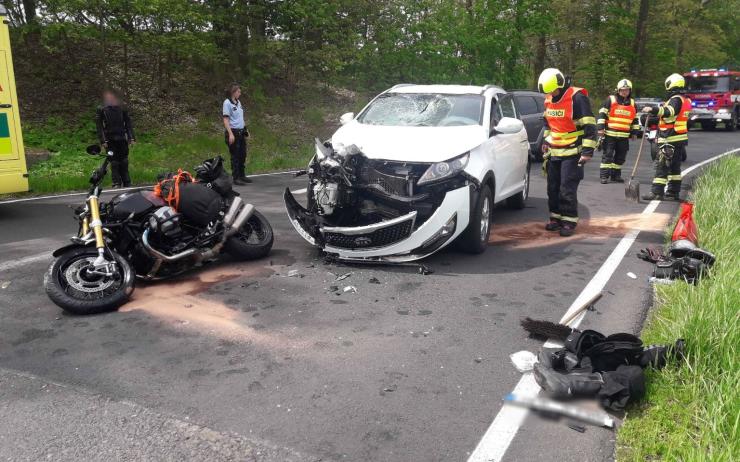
[
  {"x": 24, "y": 261},
  {"x": 113, "y": 191},
  {"x": 505, "y": 425},
  {"x": 300, "y": 191}
]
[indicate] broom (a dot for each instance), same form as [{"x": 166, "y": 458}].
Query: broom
[{"x": 552, "y": 330}]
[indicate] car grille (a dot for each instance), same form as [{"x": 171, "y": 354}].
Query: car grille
[{"x": 378, "y": 238}]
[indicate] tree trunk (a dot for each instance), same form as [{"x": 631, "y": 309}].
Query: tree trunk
[
  {"x": 29, "y": 11},
  {"x": 540, "y": 55},
  {"x": 638, "y": 46}
]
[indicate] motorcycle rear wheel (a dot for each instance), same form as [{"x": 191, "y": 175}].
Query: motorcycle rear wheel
[
  {"x": 253, "y": 240},
  {"x": 71, "y": 285}
]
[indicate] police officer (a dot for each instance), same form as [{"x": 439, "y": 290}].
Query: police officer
[
  {"x": 570, "y": 139},
  {"x": 617, "y": 123},
  {"x": 236, "y": 134},
  {"x": 115, "y": 133},
  {"x": 673, "y": 136}
]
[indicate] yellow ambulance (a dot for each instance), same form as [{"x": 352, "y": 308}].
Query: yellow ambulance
[{"x": 13, "y": 172}]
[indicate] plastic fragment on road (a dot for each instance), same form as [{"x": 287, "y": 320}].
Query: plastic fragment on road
[
  {"x": 523, "y": 360},
  {"x": 5, "y": 284},
  {"x": 374, "y": 280},
  {"x": 294, "y": 274},
  {"x": 352, "y": 289},
  {"x": 632, "y": 275}
]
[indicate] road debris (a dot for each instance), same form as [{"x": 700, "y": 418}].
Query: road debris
[
  {"x": 343, "y": 276},
  {"x": 478, "y": 360},
  {"x": 523, "y": 360},
  {"x": 294, "y": 274},
  {"x": 631, "y": 275},
  {"x": 374, "y": 280},
  {"x": 352, "y": 289},
  {"x": 5, "y": 285}
]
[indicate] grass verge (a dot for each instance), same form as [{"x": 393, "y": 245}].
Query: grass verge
[
  {"x": 692, "y": 411},
  {"x": 69, "y": 167}
]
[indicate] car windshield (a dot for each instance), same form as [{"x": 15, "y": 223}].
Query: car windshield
[
  {"x": 708, "y": 84},
  {"x": 424, "y": 110}
]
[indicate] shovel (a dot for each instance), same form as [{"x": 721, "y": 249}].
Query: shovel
[{"x": 632, "y": 190}]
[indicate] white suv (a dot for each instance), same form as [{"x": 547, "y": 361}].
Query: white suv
[{"x": 418, "y": 167}]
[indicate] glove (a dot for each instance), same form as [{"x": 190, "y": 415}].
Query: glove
[{"x": 545, "y": 161}]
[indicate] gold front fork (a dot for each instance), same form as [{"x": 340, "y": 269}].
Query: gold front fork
[{"x": 96, "y": 224}]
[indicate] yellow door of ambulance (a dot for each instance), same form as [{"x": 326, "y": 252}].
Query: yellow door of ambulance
[{"x": 13, "y": 173}]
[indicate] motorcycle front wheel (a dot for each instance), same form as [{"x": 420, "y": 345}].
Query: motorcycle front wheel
[
  {"x": 72, "y": 284},
  {"x": 253, "y": 240}
]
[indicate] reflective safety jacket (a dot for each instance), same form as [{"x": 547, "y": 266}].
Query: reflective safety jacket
[
  {"x": 673, "y": 125},
  {"x": 570, "y": 127},
  {"x": 618, "y": 117}
]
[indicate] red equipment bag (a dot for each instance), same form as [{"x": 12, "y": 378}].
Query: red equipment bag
[
  {"x": 686, "y": 227},
  {"x": 169, "y": 188}
]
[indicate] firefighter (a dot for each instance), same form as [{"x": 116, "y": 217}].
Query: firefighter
[
  {"x": 570, "y": 139},
  {"x": 673, "y": 136},
  {"x": 617, "y": 123},
  {"x": 116, "y": 133}
]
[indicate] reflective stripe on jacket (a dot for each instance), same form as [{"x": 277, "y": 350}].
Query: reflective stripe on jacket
[
  {"x": 564, "y": 133},
  {"x": 621, "y": 116},
  {"x": 673, "y": 125}
]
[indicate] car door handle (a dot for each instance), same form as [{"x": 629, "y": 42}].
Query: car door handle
[{"x": 5, "y": 106}]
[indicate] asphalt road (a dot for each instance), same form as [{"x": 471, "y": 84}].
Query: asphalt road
[{"x": 241, "y": 362}]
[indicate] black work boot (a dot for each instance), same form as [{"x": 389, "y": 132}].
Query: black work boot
[
  {"x": 604, "y": 180},
  {"x": 652, "y": 196},
  {"x": 617, "y": 177},
  {"x": 553, "y": 225},
  {"x": 567, "y": 229}
]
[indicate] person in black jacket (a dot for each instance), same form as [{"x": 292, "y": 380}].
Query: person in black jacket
[{"x": 115, "y": 133}]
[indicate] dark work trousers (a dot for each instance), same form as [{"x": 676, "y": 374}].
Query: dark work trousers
[
  {"x": 119, "y": 162},
  {"x": 238, "y": 151},
  {"x": 615, "y": 153},
  {"x": 563, "y": 176},
  {"x": 668, "y": 172}
]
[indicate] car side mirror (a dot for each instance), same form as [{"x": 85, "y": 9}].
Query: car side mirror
[
  {"x": 93, "y": 150},
  {"x": 507, "y": 126},
  {"x": 347, "y": 118}
]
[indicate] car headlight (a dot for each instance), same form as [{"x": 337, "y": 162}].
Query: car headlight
[
  {"x": 722, "y": 111},
  {"x": 442, "y": 170}
]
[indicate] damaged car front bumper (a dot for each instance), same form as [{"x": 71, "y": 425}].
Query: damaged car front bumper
[{"x": 396, "y": 240}]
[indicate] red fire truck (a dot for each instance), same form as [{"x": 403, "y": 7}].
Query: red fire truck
[{"x": 715, "y": 97}]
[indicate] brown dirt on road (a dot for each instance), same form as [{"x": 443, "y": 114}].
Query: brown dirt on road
[
  {"x": 182, "y": 302},
  {"x": 533, "y": 234}
]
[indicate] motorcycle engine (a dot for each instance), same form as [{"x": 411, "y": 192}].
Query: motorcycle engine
[{"x": 165, "y": 223}]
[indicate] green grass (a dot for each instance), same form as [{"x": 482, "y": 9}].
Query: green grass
[
  {"x": 69, "y": 167},
  {"x": 692, "y": 411}
]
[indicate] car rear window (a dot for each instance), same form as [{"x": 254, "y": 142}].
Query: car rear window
[{"x": 527, "y": 105}]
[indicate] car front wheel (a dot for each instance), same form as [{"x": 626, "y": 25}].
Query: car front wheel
[{"x": 475, "y": 238}]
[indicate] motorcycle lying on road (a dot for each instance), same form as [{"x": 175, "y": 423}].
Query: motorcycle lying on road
[{"x": 139, "y": 235}]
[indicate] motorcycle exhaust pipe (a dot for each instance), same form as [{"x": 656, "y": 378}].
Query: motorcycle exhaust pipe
[
  {"x": 159, "y": 255},
  {"x": 242, "y": 218},
  {"x": 233, "y": 209}
]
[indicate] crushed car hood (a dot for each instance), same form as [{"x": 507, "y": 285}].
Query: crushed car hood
[{"x": 410, "y": 144}]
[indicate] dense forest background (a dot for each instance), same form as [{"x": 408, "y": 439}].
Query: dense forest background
[{"x": 304, "y": 62}]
